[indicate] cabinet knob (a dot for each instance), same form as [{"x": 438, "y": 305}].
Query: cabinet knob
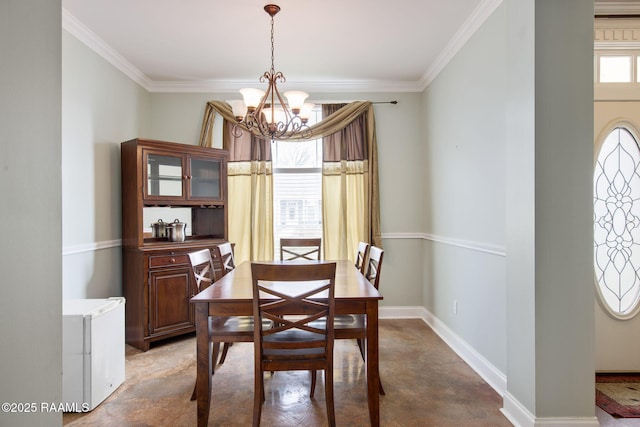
[{"x": 172, "y": 260}]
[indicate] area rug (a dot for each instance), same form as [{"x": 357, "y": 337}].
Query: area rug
[{"x": 619, "y": 394}]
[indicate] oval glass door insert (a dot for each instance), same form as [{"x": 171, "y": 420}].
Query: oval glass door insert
[{"x": 616, "y": 207}]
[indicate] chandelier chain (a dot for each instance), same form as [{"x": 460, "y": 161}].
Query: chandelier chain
[{"x": 273, "y": 69}]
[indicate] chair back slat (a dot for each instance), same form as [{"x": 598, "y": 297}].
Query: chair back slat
[
  {"x": 374, "y": 266},
  {"x": 300, "y": 249},
  {"x": 226, "y": 257},
  {"x": 361, "y": 256}
]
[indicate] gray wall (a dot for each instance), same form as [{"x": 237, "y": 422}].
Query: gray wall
[
  {"x": 30, "y": 177},
  {"x": 508, "y": 203},
  {"x": 102, "y": 107},
  {"x": 550, "y": 312},
  {"x": 464, "y": 198}
]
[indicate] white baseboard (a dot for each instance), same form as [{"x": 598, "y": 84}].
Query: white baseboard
[
  {"x": 515, "y": 412},
  {"x": 512, "y": 409},
  {"x": 492, "y": 375},
  {"x": 519, "y": 416}
]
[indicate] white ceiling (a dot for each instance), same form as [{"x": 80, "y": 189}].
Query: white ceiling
[
  {"x": 319, "y": 45},
  {"x": 324, "y": 46}
]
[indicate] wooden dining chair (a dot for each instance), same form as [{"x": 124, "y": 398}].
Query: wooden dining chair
[
  {"x": 292, "y": 296},
  {"x": 225, "y": 255},
  {"x": 374, "y": 266},
  {"x": 352, "y": 326},
  {"x": 221, "y": 329},
  {"x": 202, "y": 269},
  {"x": 225, "y": 251},
  {"x": 300, "y": 248},
  {"x": 361, "y": 256}
]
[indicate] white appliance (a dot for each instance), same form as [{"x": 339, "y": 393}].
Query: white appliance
[{"x": 93, "y": 350}]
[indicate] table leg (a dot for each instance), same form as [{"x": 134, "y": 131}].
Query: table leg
[
  {"x": 373, "y": 375},
  {"x": 203, "y": 369}
]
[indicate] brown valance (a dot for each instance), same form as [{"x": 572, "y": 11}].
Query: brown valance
[{"x": 331, "y": 124}]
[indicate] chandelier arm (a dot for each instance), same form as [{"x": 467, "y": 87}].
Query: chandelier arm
[
  {"x": 287, "y": 113},
  {"x": 236, "y": 130}
]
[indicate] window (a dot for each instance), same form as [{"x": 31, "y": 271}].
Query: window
[
  {"x": 615, "y": 69},
  {"x": 616, "y": 203},
  {"x": 619, "y": 67},
  {"x": 297, "y": 187}
]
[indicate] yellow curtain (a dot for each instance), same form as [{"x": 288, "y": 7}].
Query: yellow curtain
[
  {"x": 344, "y": 208},
  {"x": 351, "y": 203},
  {"x": 250, "y": 205}
]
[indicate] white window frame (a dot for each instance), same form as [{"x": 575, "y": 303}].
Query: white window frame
[
  {"x": 304, "y": 232},
  {"x": 633, "y": 56}
]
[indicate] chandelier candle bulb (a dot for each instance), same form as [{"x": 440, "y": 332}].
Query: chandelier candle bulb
[
  {"x": 305, "y": 113},
  {"x": 239, "y": 108},
  {"x": 296, "y": 100},
  {"x": 252, "y": 97}
]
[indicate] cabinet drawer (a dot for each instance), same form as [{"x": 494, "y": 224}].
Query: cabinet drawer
[{"x": 168, "y": 260}]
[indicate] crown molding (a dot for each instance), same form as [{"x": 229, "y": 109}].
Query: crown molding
[
  {"x": 470, "y": 26},
  {"x": 77, "y": 29},
  {"x": 618, "y": 33},
  {"x": 616, "y": 8},
  {"x": 346, "y": 86}
]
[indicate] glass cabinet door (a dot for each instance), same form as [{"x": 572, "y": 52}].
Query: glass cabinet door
[
  {"x": 204, "y": 182},
  {"x": 164, "y": 176}
]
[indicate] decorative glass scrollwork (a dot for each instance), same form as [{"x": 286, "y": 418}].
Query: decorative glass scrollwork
[{"x": 616, "y": 208}]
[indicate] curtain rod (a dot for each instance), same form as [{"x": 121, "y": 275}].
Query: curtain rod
[
  {"x": 394, "y": 102},
  {"x": 324, "y": 101},
  {"x": 346, "y": 102},
  {"x": 616, "y": 16}
]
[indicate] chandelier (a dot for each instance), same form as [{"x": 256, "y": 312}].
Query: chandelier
[{"x": 265, "y": 114}]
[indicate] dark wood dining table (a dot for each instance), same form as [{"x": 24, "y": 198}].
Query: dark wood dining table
[{"x": 232, "y": 295}]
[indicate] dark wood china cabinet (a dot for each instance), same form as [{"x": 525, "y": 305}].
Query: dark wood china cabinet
[{"x": 157, "y": 283}]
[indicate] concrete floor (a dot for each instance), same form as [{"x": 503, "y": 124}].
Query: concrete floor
[{"x": 426, "y": 384}]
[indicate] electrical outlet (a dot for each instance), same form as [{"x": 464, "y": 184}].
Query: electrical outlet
[{"x": 455, "y": 306}]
